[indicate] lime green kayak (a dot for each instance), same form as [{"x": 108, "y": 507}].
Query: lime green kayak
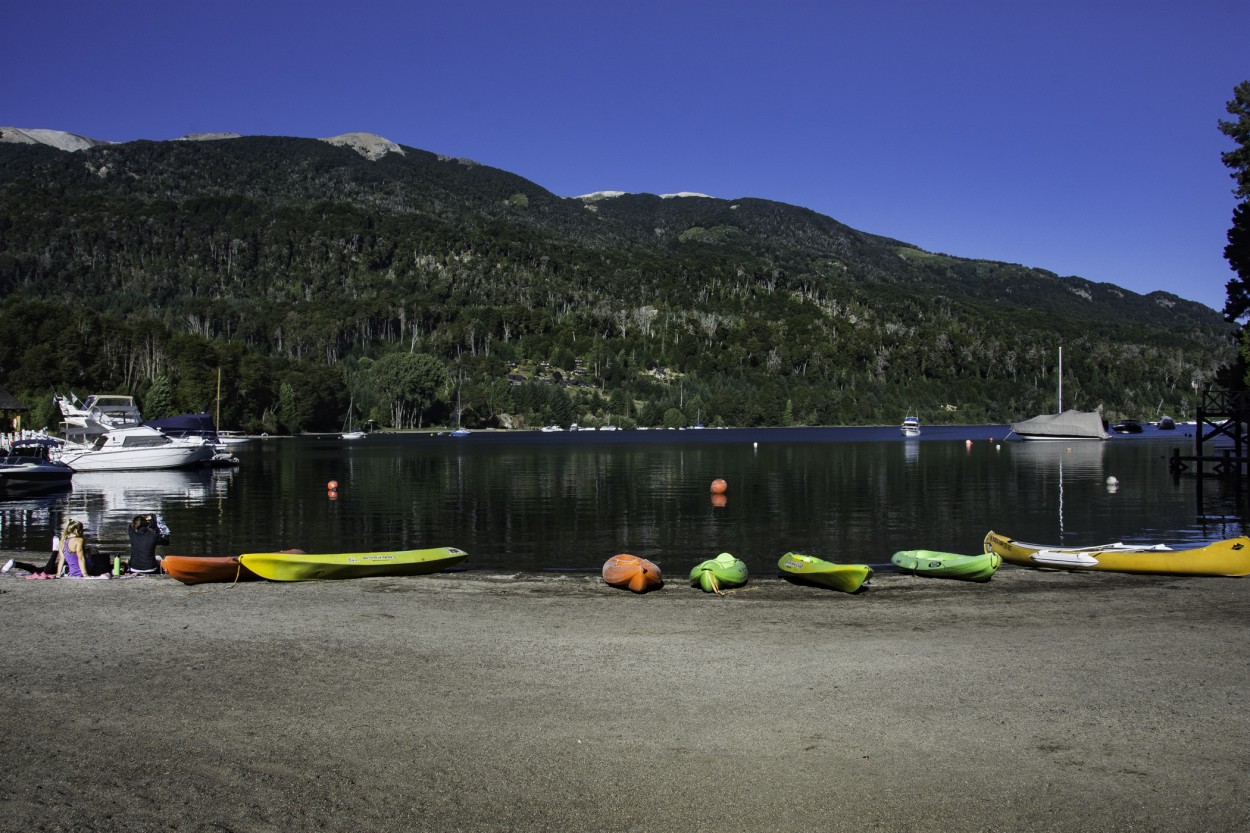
[
  {"x": 300, "y": 566},
  {"x": 948, "y": 564},
  {"x": 845, "y": 577},
  {"x": 722, "y": 571}
]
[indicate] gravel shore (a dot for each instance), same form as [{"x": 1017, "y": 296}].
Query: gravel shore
[{"x": 470, "y": 701}]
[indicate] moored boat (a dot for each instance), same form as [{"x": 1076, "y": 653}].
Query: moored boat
[
  {"x": 28, "y": 469},
  {"x": 632, "y": 573},
  {"x": 724, "y": 570},
  {"x": 807, "y": 568},
  {"x": 196, "y": 569},
  {"x": 106, "y": 433},
  {"x": 1069, "y": 425},
  {"x": 910, "y": 426},
  {"x": 979, "y": 567},
  {"x": 1221, "y": 558},
  {"x": 300, "y": 566}
]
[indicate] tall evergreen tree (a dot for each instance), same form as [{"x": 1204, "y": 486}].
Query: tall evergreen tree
[{"x": 1237, "y": 252}]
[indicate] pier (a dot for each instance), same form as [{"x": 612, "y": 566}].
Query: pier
[{"x": 1221, "y": 415}]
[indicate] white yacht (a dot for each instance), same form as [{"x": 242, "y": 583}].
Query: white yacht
[
  {"x": 106, "y": 433},
  {"x": 910, "y": 426}
]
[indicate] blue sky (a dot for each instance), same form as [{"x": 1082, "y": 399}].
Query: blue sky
[{"x": 1076, "y": 137}]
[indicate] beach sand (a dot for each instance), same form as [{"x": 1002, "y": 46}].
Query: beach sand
[{"x": 1042, "y": 701}]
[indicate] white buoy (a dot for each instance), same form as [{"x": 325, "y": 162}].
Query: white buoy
[
  {"x": 755, "y": 445},
  {"x": 1111, "y": 481}
]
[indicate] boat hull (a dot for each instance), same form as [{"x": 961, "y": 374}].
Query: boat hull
[
  {"x": 288, "y": 566},
  {"x": 931, "y": 564},
  {"x": 722, "y": 571},
  {"x": 128, "y": 459},
  {"x": 632, "y": 573},
  {"x": 1221, "y": 558},
  {"x": 194, "y": 569},
  {"x": 848, "y": 578}
]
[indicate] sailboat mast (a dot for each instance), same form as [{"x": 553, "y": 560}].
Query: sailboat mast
[
  {"x": 217, "y": 418},
  {"x": 1060, "y": 380}
]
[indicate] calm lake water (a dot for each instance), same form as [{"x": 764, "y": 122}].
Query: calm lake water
[{"x": 569, "y": 500}]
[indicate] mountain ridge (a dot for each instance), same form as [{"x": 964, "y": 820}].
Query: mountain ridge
[
  {"x": 374, "y": 147},
  {"x": 311, "y": 255}
]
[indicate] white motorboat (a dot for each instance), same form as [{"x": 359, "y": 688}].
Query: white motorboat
[
  {"x": 910, "y": 426},
  {"x": 136, "y": 447},
  {"x": 106, "y": 433}
]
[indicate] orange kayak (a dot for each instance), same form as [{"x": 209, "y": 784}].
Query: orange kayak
[
  {"x": 195, "y": 569},
  {"x": 632, "y": 572}
]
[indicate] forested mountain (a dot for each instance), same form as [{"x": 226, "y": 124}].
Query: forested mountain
[{"x": 314, "y": 273}]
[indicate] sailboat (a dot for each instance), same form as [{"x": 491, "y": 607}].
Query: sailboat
[
  {"x": 349, "y": 432},
  {"x": 460, "y": 431},
  {"x": 1065, "y": 425}
]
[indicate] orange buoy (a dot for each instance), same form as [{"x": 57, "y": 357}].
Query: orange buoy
[
  {"x": 719, "y": 487},
  {"x": 332, "y": 485}
]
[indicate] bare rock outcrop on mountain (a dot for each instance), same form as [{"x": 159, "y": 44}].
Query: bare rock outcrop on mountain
[
  {"x": 369, "y": 145},
  {"x": 58, "y": 139}
]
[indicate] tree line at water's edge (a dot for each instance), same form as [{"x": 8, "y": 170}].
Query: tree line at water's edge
[{"x": 417, "y": 292}]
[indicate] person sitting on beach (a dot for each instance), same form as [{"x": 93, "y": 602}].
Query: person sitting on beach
[
  {"x": 72, "y": 560},
  {"x": 48, "y": 570},
  {"x": 145, "y": 535}
]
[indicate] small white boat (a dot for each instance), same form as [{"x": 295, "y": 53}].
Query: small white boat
[
  {"x": 232, "y": 438},
  {"x": 910, "y": 426},
  {"x": 350, "y": 432}
]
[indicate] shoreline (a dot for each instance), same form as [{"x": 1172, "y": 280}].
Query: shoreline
[{"x": 492, "y": 701}]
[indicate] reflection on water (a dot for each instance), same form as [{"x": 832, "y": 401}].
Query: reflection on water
[{"x": 550, "y": 501}]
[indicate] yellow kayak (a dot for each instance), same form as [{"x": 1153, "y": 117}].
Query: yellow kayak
[
  {"x": 1222, "y": 558},
  {"x": 808, "y": 568},
  {"x": 299, "y": 566}
]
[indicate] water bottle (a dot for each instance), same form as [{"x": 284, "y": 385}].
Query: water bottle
[{"x": 117, "y": 565}]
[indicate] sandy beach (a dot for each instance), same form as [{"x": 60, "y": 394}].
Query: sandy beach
[{"x": 1042, "y": 701}]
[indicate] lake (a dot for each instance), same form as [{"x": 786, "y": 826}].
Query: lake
[{"x": 530, "y": 500}]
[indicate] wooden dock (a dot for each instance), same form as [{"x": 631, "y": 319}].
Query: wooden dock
[{"x": 1221, "y": 415}]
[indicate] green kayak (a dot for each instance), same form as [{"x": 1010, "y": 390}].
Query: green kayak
[
  {"x": 948, "y": 565},
  {"x": 845, "y": 577},
  {"x": 722, "y": 571}
]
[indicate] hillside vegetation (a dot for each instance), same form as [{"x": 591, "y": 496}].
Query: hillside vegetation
[{"x": 426, "y": 289}]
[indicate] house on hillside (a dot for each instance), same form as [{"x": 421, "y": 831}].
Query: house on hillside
[{"x": 11, "y": 411}]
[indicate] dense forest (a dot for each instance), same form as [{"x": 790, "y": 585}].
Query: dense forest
[{"x": 422, "y": 291}]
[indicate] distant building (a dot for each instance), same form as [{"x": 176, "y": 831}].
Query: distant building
[{"x": 11, "y": 410}]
